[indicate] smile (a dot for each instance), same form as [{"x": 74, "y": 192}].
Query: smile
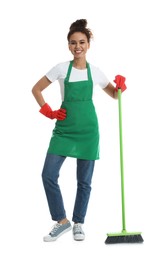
[{"x": 78, "y": 52}]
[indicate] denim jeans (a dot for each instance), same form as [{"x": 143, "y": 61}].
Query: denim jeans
[{"x": 50, "y": 175}]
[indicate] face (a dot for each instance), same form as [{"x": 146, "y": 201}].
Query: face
[{"x": 78, "y": 45}]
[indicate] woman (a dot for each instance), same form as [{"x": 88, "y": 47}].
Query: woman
[{"x": 76, "y": 132}]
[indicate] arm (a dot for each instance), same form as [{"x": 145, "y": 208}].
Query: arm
[
  {"x": 113, "y": 91},
  {"x": 110, "y": 90},
  {"x": 46, "y": 110},
  {"x": 37, "y": 89}
]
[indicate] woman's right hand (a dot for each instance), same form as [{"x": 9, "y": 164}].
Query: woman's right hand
[{"x": 59, "y": 114}]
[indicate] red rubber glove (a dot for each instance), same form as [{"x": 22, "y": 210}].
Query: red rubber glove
[
  {"x": 48, "y": 112},
  {"x": 120, "y": 83}
]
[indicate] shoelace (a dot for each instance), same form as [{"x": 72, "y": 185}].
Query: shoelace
[
  {"x": 78, "y": 229},
  {"x": 55, "y": 228}
]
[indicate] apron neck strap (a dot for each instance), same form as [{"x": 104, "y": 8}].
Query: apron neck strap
[{"x": 70, "y": 68}]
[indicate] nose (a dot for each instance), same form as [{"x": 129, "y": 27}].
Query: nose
[{"x": 77, "y": 45}]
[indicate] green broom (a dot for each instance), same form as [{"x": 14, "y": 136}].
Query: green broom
[{"x": 124, "y": 236}]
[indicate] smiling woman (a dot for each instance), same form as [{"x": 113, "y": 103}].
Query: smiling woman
[
  {"x": 78, "y": 45},
  {"x": 79, "y": 38},
  {"x": 76, "y": 132}
]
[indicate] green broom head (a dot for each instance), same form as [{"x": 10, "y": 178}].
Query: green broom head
[{"x": 124, "y": 237}]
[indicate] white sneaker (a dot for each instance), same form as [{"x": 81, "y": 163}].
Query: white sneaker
[
  {"x": 78, "y": 233},
  {"x": 57, "y": 230}
]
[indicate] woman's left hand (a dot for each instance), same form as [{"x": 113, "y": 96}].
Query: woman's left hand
[{"x": 120, "y": 83}]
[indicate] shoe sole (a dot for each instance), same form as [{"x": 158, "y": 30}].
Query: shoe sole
[
  {"x": 51, "y": 239},
  {"x": 78, "y": 238}
]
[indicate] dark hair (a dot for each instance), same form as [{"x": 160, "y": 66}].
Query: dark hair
[{"x": 80, "y": 26}]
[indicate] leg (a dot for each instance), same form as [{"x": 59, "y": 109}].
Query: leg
[
  {"x": 50, "y": 175},
  {"x": 84, "y": 177}
]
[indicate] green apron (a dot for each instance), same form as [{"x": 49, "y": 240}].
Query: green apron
[{"x": 78, "y": 135}]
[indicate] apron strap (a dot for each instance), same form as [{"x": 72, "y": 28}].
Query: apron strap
[
  {"x": 70, "y": 68},
  {"x": 68, "y": 72},
  {"x": 89, "y": 73}
]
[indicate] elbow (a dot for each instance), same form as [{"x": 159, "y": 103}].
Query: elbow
[{"x": 33, "y": 91}]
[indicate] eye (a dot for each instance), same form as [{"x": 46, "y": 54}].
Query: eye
[
  {"x": 82, "y": 42},
  {"x": 72, "y": 42}
]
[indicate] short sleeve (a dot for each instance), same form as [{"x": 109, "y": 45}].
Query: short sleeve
[
  {"x": 54, "y": 73},
  {"x": 99, "y": 78}
]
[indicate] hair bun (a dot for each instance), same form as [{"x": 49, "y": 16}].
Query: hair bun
[{"x": 78, "y": 24}]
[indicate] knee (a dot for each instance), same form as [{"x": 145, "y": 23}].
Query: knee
[
  {"x": 45, "y": 178},
  {"x": 84, "y": 186},
  {"x": 49, "y": 178}
]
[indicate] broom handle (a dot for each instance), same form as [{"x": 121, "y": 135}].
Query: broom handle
[{"x": 121, "y": 160}]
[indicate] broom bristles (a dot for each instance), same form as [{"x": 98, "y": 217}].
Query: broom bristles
[{"x": 122, "y": 238}]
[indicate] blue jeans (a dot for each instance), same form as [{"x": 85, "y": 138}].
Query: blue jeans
[{"x": 50, "y": 175}]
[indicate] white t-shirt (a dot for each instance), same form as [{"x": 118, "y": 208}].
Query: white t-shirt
[{"x": 59, "y": 72}]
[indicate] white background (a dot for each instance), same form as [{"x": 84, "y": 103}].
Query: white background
[{"x": 129, "y": 39}]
